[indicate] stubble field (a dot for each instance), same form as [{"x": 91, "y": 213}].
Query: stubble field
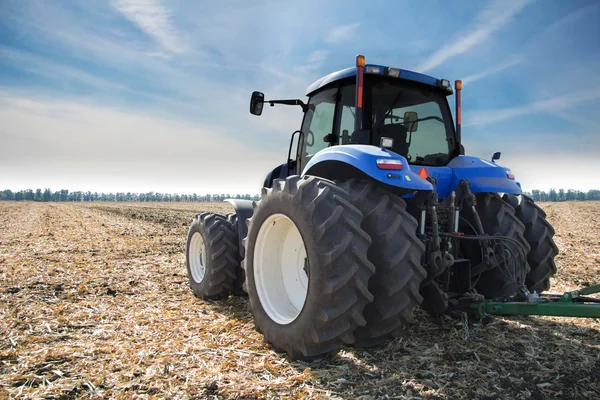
[{"x": 94, "y": 303}]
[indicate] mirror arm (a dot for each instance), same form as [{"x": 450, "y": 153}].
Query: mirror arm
[{"x": 295, "y": 102}]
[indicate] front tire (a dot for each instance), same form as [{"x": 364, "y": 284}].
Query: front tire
[
  {"x": 306, "y": 265},
  {"x": 211, "y": 256}
]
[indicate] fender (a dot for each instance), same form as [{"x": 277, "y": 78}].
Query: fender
[
  {"x": 483, "y": 175},
  {"x": 244, "y": 210},
  {"x": 360, "y": 161},
  {"x": 280, "y": 172}
]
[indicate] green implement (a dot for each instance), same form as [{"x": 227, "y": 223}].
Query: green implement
[{"x": 570, "y": 304}]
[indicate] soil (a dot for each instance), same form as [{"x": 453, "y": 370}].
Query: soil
[{"x": 94, "y": 303}]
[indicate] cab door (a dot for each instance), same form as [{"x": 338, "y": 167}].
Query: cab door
[{"x": 317, "y": 126}]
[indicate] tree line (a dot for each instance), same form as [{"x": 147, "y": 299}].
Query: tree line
[
  {"x": 564, "y": 195},
  {"x": 77, "y": 196},
  {"x": 65, "y": 195}
]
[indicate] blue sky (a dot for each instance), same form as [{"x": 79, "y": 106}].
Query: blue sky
[{"x": 134, "y": 95}]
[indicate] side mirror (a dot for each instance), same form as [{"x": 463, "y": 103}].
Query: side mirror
[
  {"x": 411, "y": 121},
  {"x": 496, "y": 156},
  {"x": 257, "y": 100}
]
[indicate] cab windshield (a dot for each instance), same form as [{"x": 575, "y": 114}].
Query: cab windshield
[{"x": 415, "y": 116}]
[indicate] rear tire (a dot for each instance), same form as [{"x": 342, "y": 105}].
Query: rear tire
[
  {"x": 211, "y": 256},
  {"x": 538, "y": 233},
  {"x": 498, "y": 218},
  {"x": 305, "y": 240},
  {"x": 396, "y": 253}
]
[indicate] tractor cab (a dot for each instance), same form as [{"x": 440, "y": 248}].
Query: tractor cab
[{"x": 402, "y": 111}]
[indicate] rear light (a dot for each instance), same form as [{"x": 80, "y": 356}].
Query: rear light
[
  {"x": 510, "y": 175},
  {"x": 388, "y": 163}
]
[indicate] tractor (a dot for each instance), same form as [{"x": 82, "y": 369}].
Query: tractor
[{"x": 377, "y": 210}]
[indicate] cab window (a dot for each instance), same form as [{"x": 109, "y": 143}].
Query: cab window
[{"x": 318, "y": 123}]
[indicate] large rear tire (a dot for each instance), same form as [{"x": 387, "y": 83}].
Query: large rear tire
[
  {"x": 211, "y": 256},
  {"x": 396, "y": 253},
  {"x": 538, "y": 233},
  {"x": 306, "y": 265},
  {"x": 498, "y": 218}
]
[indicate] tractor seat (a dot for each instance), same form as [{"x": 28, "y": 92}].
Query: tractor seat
[{"x": 398, "y": 132}]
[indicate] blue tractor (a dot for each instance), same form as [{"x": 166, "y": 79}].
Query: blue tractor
[{"x": 376, "y": 210}]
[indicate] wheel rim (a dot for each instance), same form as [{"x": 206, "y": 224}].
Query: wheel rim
[
  {"x": 197, "y": 257},
  {"x": 279, "y": 269}
]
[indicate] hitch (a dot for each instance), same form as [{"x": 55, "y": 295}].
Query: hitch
[{"x": 569, "y": 304}]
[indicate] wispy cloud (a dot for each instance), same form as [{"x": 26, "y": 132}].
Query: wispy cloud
[
  {"x": 509, "y": 62},
  {"x": 314, "y": 60},
  {"x": 491, "y": 19},
  {"x": 58, "y": 72},
  {"x": 154, "y": 19},
  {"x": 341, "y": 33},
  {"x": 553, "y": 104}
]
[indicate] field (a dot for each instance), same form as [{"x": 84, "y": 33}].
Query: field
[{"x": 94, "y": 303}]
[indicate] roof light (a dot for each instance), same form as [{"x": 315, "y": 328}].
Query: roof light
[
  {"x": 373, "y": 70},
  {"x": 393, "y": 72},
  {"x": 360, "y": 60},
  {"x": 445, "y": 84},
  {"x": 387, "y": 142},
  {"x": 458, "y": 85},
  {"x": 510, "y": 175},
  {"x": 389, "y": 163}
]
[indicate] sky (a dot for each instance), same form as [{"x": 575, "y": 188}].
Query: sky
[{"x": 141, "y": 95}]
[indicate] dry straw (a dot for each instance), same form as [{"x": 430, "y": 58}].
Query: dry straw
[{"x": 94, "y": 303}]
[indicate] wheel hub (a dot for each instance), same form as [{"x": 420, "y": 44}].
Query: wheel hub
[
  {"x": 281, "y": 269},
  {"x": 197, "y": 257}
]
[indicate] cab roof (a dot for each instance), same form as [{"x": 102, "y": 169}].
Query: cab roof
[{"x": 372, "y": 69}]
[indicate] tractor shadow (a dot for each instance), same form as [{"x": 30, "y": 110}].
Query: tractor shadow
[
  {"x": 523, "y": 357},
  {"x": 439, "y": 358}
]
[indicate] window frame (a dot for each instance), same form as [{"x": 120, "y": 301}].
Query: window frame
[{"x": 301, "y": 150}]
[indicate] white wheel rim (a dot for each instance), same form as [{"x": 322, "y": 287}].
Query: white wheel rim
[
  {"x": 197, "y": 257},
  {"x": 279, "y": 263}
]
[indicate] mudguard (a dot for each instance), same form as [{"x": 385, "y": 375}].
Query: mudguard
[
  {"x": 280, "y": 172},
  {"x": 353, "y": 161},
  {"x": 484, "y": 176},
  {"x": 244, "y": 210}
]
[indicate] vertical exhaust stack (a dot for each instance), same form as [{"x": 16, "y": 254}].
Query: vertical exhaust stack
[
  {"x": 458, "y": 87},
  {"x": 360, "y": 70}
]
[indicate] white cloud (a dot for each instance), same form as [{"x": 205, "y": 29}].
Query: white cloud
[
  {"x": 62, "y": 144},
  {"x": 341, "y": 33},
  {"x": 491, "y": 19},
  {"x": 509, "y": 62},
  {"x": 553, "y": 105},
  {"x": 153, "y": 18}
]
